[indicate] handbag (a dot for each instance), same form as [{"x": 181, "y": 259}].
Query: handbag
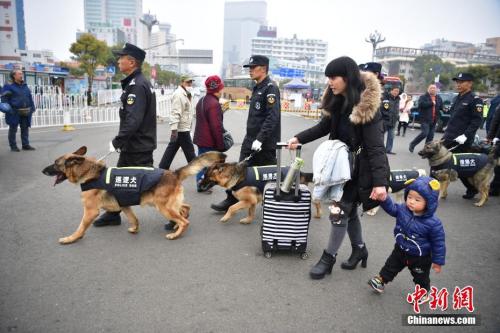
[{"x": 227, "y": 138}]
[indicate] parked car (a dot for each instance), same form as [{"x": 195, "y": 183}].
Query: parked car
[{"x": 444, "y": 116}]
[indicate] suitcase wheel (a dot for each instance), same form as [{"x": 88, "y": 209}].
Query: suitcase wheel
[
  {"x": 268, "y": 254},
  {"x": 304, "y": 256}
]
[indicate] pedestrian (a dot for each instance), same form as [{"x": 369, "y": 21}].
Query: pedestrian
[
  {"x": 162, "y": 91},
  {"x": 390, "y": 114},
  {"x": 486, "y": 109},
  {"x": 18, "y": 96},
  {"x": 493, "y": 106},
  {"x": 181, "y": 120},
  {"x": 405, "y": 105},
  {"x": 493, "y": 137},
  {"x": 466, "y": 116},
  {"x": 352, "y": 115},
  {"x": 375, "y": 68},
  {"x": 209, "y": 130},
  {"x": 429, "y": 106},
  {"x": 263, "y": 128},
  {"x": 136, "y": 138},
  {"x": 419, "y": 235}
]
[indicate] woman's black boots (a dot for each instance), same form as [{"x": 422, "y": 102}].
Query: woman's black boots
[
  {"x": 358, "y": 254},
  {"x": 323, "y": 267}
]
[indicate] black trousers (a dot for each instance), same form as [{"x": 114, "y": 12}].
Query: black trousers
[
  {"x": 404, "y": 125},
  {"x": 183, "y": 141},
  {"x": 135, "y": 159},
  {"x": 263, "y": 157},
  {"x": 419, "y": 267}
]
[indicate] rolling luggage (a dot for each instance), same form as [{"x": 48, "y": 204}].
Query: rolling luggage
[{"x": 286, "y": 216}]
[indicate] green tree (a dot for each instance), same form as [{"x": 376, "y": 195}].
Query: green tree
[
  {"x": 90, "y": 53},
  {"x": 480, "y": 74},
  {"x": 427, "y": 67}
]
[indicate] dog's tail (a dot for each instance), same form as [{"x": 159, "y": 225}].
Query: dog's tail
[{"x": 200, "y": 162}]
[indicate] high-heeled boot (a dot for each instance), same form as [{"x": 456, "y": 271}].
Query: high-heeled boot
[
  {"x": 358, "y": 254},
  {"x": 323, "y": 267}
]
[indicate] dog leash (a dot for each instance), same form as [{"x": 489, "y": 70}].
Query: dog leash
[
  {"x": 249, "y": 157},
  {"x": 103, "y": 157}
]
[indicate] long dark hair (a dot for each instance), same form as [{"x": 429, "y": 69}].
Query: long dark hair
[{"x": 349, "y": 71}]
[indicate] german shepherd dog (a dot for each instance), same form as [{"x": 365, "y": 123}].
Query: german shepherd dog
[
  {"x": 438, "y": 154},
  {"x": 229, "y": 175},
  {"x": 166, "y": 196},
  {"x": 395, "y": 187}
]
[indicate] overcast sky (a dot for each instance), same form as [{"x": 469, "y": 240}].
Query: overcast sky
[{"x": 52, "y": 24}]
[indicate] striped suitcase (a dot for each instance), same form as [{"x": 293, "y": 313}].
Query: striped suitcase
[{"x": 286, "y": 216}]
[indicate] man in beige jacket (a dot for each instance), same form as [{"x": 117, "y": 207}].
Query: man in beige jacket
[{"x": 181, "y": 119}]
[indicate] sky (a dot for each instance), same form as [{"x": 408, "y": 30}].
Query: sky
[{"x": 52, "y": 24}]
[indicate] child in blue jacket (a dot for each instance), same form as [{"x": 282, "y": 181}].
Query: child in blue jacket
[{"x": 419, "y": 235}]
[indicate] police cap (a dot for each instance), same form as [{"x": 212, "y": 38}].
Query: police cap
[
  {"x": 464, "y": 77},
  {"x": 133, "y": 51},
  {"x": 257, "y": 60}
]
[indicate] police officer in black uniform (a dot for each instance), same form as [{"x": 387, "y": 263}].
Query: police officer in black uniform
[
  {"x": 136, "y": 139},
  {"x": 466, "y": 117},
  {"x": 263, "y": 123}
]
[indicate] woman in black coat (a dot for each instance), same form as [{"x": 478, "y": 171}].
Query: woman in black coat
[{"x": 352, "y": 115}]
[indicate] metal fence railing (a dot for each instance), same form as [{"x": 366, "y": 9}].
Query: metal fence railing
[{"x": 65, "y": 110}]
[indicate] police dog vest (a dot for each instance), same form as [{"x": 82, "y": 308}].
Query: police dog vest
[
  {"x": 466, "y": 165},
  {"x": 259, "y": 176},
  {"x": 125, "y": 184},
  {"x": 399, "y": 177}
]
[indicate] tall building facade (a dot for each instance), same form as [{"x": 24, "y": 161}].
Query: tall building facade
[
  {"x": 242, "y": 21},
  {"x": 11, "y": 17},
  {"x": 123, "y": 14}
]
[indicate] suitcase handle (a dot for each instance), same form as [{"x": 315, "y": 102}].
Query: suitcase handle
[{"x": 279, "y": 146}]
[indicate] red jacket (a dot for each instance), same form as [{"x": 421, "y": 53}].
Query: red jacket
[{"x": 209, "y": 127}]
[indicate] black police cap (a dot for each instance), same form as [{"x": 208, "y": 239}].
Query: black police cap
[
  {"x": 373, "y": 67},
  {"x": 464, "y": 77},
  {"x": 133, "y": 51},
  {"x": 257, "y": 60}
]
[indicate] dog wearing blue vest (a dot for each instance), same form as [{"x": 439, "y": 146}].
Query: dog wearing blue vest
[
  {"x": 447, "y": 167},
  {"x": 397, "y": 180},
  {"x": 115, "y": 189},
  {"x": 247, "y": 185}
]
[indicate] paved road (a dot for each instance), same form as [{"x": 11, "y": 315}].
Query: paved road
[{"x": 215, "y": 278}]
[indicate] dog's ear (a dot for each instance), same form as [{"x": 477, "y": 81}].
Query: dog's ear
[
  {"x": 73, "y": 160},
  {"x": 81, "y": 151}
]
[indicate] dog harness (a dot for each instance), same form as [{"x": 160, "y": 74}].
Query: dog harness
[
  {"x": 259, "y": 176},
  {"x": 399, "y": 177},
  {"x": 125, "y": 184},
  {"x": 466, "y": 164}
]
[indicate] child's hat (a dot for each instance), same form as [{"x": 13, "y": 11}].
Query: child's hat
[{"x": 428, "y": 188}]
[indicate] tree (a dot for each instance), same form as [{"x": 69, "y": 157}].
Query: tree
[
  {"x": 90, "y": 53},
  {"x": 480, "y": 74},
  {"x": 427, "y": 67}
]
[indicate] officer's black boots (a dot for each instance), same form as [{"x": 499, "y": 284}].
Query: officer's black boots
[
  {"x": 28, "y": 147},
  {"x": 169, "y": 226},
  {"x": 469, "y": 194},
  {"x": 225, "y": 204},
  {"x": 358, "y": 254},
  {"x": 108, "y": 218},
  {"x": 323, "y": 267}
]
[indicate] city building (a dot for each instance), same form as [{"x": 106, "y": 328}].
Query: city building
[
  {"x": 105, "y": 32},
  {"x": 163, "y": 43},
  {"x": 399, "y": 60},
  {"x": 116, "y": 13},
  {"x": 293, "y": 57},
  {"x": 12, "y": 31},
  {"x": 242, "y": 22}
]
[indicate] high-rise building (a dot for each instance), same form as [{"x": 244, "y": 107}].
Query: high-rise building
[
  {"x": 106, "y": 33},
  {"x": 117, "y": 13},
  {"x": 12, "y": 33},
  {"x": 162, "y": 44},
  {"x": 242, "y": 21}
]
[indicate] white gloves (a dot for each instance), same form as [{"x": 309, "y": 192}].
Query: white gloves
[
  {"x": 495, "y": 140},
  {"x": 461, "y": 139},
  {"x": 256, "y": 145},
  {"x": 112, "y": 148}
]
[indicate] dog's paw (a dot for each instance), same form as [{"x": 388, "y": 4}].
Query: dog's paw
[
  {"x": 442, "y": 197},
  {"x": 479, "y": 204},
  {"x": 133, "y": 230},
  {"x": 317, "y": 216},
  {"x": 371, "y": 212},
  {"x": 171, "y": 236},
  {"x": 246, "y": 220},
  {"x": 67, "y": 240},
  {"x": 224, "y": 219}
]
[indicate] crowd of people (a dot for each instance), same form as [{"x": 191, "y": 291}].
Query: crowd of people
[{"x": 356, "y": 112}]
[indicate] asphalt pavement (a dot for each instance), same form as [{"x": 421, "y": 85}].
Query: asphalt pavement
[{"x": 215, "y": 277}]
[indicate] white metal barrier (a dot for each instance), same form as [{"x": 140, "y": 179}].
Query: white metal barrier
[
  {"x": 108, "y": 96},
  {"x": 51, "y": 110}
]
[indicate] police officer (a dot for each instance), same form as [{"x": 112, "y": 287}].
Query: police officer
[
  {"x": 390, "y": 114},
  {"x": 263, "y": 123},
  {"x": 466, "y": 116},
  {"x": 136, "y": 139},
  {"x": 374, "y": 67}
]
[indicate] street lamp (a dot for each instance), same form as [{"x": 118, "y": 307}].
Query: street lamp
[{"x": 375, "y": 38}]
